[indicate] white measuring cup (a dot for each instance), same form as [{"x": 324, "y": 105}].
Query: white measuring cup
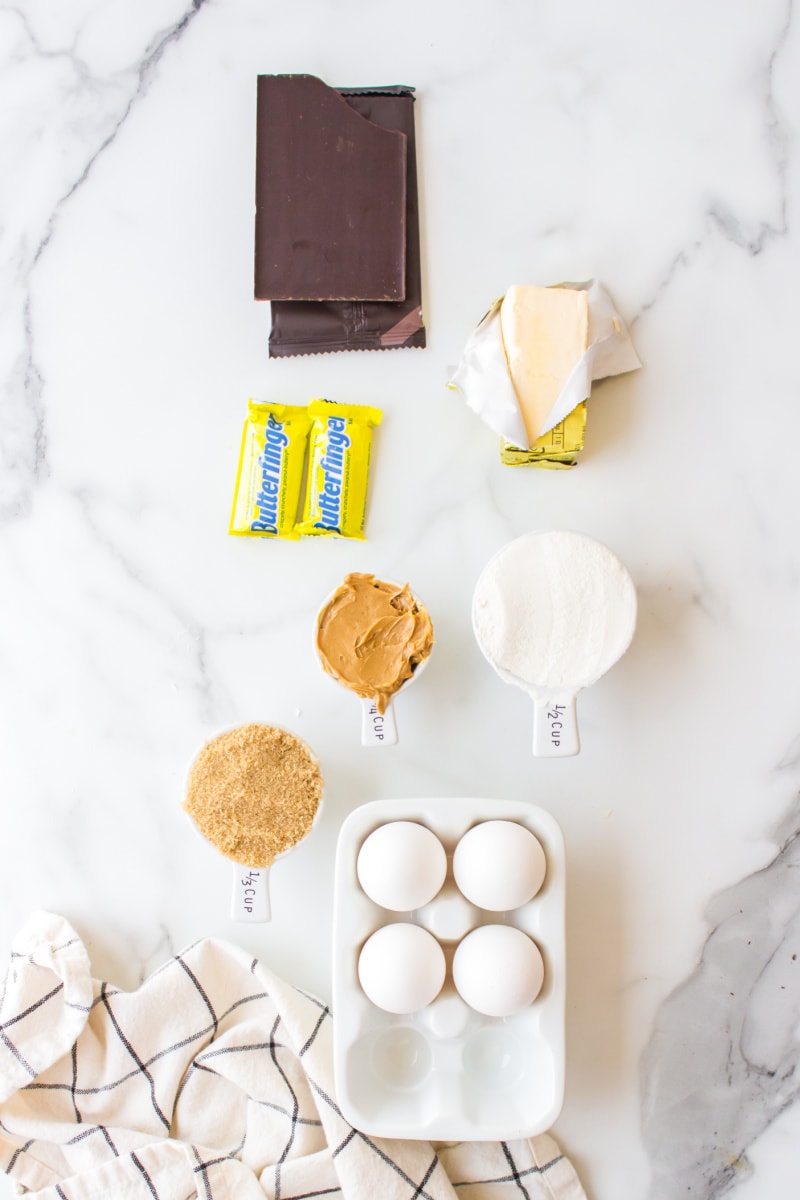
[
  {"x": 377, "y": 729},
  {"x": 552, "y": 612},
  {"x": 250, "y": 902},
  {"x": 380, "y": 729}
]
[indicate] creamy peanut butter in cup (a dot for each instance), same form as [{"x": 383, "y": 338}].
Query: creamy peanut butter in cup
[{"x": 371, "y": 637}]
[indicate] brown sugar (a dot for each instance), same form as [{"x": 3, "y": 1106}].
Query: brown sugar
[{"x": 254, "y": 792}]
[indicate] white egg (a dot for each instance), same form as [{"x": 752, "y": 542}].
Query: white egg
[
  {"x": 401, "y": 865},
  {"x": 401, "y": 968},
  {"x": 499, "y": 865},
  {"x": 498, "y": 970}
]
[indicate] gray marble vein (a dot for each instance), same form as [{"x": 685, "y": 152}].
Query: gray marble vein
[
  {"x": 103, "y": 105},
  {"x": 720, "y": 217},
  {"x": 173, "y": 613},
  {"x": 722, "y": 1062}
]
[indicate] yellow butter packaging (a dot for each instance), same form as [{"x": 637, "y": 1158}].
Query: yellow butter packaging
[{"x": 557, "y": 449}]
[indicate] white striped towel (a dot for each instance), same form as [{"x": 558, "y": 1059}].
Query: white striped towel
[{"x": 213, "y": 1079}]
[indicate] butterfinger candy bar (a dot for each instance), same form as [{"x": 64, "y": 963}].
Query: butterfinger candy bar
[
  {"x": 338, "y": 469},
  {"x": 270, "y": 474}
]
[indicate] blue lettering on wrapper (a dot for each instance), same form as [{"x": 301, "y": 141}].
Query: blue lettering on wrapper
[
  {"x": 270, "y": 460},
  {"x": 329, "y": 499}
]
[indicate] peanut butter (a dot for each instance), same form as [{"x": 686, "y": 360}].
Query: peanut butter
[{"x": 372, "y": 635}]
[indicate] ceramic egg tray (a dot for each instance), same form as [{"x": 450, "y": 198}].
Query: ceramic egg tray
[{"x": 446, "y": 1072}]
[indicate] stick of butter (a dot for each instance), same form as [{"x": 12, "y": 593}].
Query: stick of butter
[
  {"x": 545, "y": 334},
  {"x": 528, "y": 368}
]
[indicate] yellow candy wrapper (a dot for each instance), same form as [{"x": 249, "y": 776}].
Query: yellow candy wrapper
[
  {"x": 338, "y": 468},
  {"x": 270, "y": 475},
  {"x": 557, "y": 449}
]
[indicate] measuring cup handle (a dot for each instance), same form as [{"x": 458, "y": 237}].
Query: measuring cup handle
[
  {"x": 377, "y": 729},
  {"x": 555, "y": 728},
  {"x": 250, "y": 895}
]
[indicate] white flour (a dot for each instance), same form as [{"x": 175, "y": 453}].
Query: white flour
[{"x": 555, "y": 610}]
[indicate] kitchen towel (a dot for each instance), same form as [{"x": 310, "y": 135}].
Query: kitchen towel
[{"x": 213, "y": 1079}]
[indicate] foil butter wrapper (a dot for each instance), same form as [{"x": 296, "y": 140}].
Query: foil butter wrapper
[
  {"x": 557, "y": 449},
  {"x": 484, "y": 380}
]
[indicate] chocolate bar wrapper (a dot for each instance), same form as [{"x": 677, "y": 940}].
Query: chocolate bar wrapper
[{"x": 316, "y": 327}]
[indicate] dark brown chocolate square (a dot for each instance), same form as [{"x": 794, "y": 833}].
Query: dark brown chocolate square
[
  {"x": 308, "y": 327},
  {"x": 330, "y": 197}
]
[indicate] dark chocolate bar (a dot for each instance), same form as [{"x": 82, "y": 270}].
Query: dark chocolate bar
[
  {"x": 314, "y": 328},
  {"x": 330, "y": 197}
]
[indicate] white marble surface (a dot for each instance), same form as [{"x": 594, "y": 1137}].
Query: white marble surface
[{"x": 654, "y": 148}]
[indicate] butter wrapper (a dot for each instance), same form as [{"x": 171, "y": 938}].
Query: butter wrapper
[
  {"x": 484, "y": 380},
  {"x": 557, "y": 449}
]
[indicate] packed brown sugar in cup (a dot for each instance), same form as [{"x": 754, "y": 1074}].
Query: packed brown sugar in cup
[{"x": 254, "y": 792}]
